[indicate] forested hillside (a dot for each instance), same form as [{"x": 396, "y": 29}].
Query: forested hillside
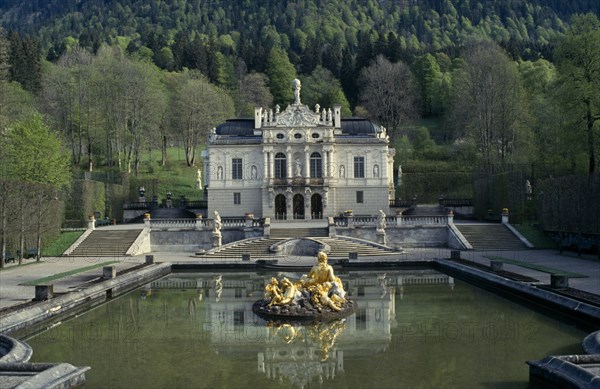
[
  {"x": 478, "y": 96},
  {"x": 447, "y": 57},
  {"x": 313, "y": 32}
]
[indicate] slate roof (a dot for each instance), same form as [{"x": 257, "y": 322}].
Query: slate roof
[
  {"x": 236, "y": 127},
  {"x": 359, "y": 126},
  {"x": 350, "y": 126}
]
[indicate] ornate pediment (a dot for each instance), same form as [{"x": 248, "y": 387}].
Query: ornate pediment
[{"x": 297, "y": 115}]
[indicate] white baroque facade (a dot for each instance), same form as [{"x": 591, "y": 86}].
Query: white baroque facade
[{"x": 298, "y": 164}]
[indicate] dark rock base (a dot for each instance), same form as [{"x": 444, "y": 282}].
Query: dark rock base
[{"x": 303, "y": 311}]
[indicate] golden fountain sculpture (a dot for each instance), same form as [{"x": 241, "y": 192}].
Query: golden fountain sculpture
[{"x": 320, "y": 295}]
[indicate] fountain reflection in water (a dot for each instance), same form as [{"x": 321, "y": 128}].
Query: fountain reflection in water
[{"x": 302, "y": 353}]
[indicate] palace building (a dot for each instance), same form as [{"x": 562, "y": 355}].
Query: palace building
[{"x": 298, "y": 164}]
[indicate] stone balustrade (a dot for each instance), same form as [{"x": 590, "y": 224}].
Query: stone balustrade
[
  {"x": 199, "y": 224},
  {"x": 422, "y": 220},
  {"x": 178, "y": 224},
  {"x": 391, "y": 221},
  {"x": 234, "y": 222}
]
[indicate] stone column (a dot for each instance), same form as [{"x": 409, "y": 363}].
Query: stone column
[
  {"x": 289, "y": 164},
  {"x": 504, "y": 215},
  {"x": 381, "y": 236},
  {"x": 217, "y": 240},
  {"x": 325, "y": 163},
  {"x": 44, "y": 292},
  {"x": 109, "y": 272},
  {"x": 266, "y": 166},
  {"x": 306, "y": 163},
  {"x": 267, "y": 227},
  {"x": 92, "y": 222},
  {"x": 199, "y": 222},
  {"x": 331, "y": 225}
]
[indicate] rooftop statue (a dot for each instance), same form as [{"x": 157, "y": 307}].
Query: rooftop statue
[
  {"x": 297, "y": 114},
  {"x": 320, "y": 295},
  {"x": 297, "y": 86}
]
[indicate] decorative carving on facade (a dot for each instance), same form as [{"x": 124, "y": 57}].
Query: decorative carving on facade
[{"x": 297, "y": 116}]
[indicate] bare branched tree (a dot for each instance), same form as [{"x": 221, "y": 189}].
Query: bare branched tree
[
  {"x": 196, "y": 107},
  {"x": 389, "y": 93},
  {"x": 487, "y": 101}
]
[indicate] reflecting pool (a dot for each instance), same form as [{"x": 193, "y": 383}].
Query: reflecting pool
[{"x": 412, "y": 329}]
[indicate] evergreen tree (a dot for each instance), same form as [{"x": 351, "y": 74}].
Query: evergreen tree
[
  {"x": 429, "y": 77},
  {"x": 4, "y": 57},
  {"x": 348, "y": 76},
  {"x": 25, "y": 62},
  {"x": 321, "y": 87},
  {"x": 281, "y": 72}
]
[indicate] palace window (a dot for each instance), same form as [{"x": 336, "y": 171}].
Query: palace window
[
  {"x": 360, "y": 196},
  {"x": 238, "y": 318},
  {"x": 280, "y": 166},
  {"x": 236, "y": 168},
  {"x": 237, "y": 198},
  {"x": 359, "y": 167},
  {"x": 316, "y": 166}
]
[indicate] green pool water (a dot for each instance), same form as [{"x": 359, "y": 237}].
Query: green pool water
[{"x": 413, "y": 329}]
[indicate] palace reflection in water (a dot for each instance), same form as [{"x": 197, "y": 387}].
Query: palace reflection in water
[
  {"x": 299, "y": 353},
  {"x": 413, "y": 328}
]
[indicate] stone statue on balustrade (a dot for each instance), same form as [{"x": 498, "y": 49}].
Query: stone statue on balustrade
[
  {"x": 199, "y": 179},
  {"x": 528, "y": 190},
  {"x": 217, "y": 224},
  {"x": 380, "y": 227},
  {"x": 381, "y": 220},
  {"x": 399, "y": 181}
]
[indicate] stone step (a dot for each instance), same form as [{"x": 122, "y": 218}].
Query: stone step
[
  {"x": 490, "y": 237},
  {"x": 340, "y": 248},
  {"x": 299, "y": 232},
  {"x": 104, "y": 243}
]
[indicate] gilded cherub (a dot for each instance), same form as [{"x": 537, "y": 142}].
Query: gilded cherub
[
  {"x": 272, "y": 289},
  {"x": 288, "y": 295}
]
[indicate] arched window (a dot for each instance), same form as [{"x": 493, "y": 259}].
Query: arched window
[
  {"x": 280, "y": 165},
  {"x": 316, "y": 166}
]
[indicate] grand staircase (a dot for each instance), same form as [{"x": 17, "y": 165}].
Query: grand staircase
[
  {"x": 259, "y": 248},
  {"x": 490, "y": 237},
  {"x": 281, "y": 233},
  {"x": 106, "y": 243},
  {"x": 341, "y": 248}
]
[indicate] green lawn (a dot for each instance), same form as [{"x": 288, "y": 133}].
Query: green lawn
[
  {"x": 536, "y": 236},
  {"x": 61, "y": 244},
  {"x": 58, "y": 276},
  {"x": 544, "y": 269},
  {"x": 175, "y": 177}
]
